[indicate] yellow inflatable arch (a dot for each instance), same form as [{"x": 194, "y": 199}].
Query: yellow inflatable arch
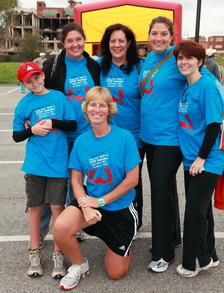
[{"x": 96, "y": 17}]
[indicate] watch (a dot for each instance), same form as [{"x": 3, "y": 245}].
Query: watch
[{"x": 101, "y": 202}]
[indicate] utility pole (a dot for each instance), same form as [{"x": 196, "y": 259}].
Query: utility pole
[{"x": 197, "y": 28}]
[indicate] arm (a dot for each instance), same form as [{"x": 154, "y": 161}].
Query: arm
[
  {"x": 64, "y": 125},
  {"x": 212, "y": 131},
  {"x": 91, "y": 215},
  {"x": 21, "y": 135},
  {"x": 217, "y": 72},
  {"x": 38, "y": 129},
  {"x": 130, "y": 181}
]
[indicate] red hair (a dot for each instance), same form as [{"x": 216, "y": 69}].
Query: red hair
[{"x": 190, "y": 49}]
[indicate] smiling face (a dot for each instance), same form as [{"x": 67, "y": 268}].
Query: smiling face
[
  {"x": 118, "y": 46},
  {"x": 188, "y": 65},
  {"x": 35, "y": 84},
  {"x": 97, "y": 111},
  {"x": 74, "y": 45},
  {"x": 160, "y": 38}
]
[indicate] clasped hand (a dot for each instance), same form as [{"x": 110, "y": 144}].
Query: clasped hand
[
  {"x": 42, "y": 128},
  {"x": 88, "y": 204},
  {"x": 87, "y": 201}
]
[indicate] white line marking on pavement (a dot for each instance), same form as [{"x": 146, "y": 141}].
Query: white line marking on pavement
[
  {"x": 4, "y": 114},
  {"x": 15, "y": 238},
  {"x": 11, "y": 162},
  {"x": 16, "y": 89},
  {"x": 5, "y": 130}
]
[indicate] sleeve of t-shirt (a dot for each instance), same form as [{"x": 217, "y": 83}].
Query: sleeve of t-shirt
[
  {"x": 212, "y": 105},
  {"x": 132, "y": 158},
  {"x": 74, "y": 162}
]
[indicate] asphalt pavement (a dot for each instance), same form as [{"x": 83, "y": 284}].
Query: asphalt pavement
[{"x": 14, "y": 235}]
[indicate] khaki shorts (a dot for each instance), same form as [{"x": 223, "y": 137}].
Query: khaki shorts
[{"x": 45, "y": 190}]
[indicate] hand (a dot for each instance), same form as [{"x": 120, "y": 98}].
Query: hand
[
  {"x": 48, "y": 123},
  {"x": 40, "y": 129},
  {"x": 27, "y": 124},
  {"x": 91, "y": 215},
  {"x": 88, "y": 201},
  {"x": 197, "y": 166}
]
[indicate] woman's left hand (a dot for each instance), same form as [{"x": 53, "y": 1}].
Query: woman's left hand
[
  {"x": 88, "y": 201},
  {"x": 197, "y": 166}
]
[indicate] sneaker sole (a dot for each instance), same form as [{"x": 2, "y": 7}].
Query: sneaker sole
[
  {"x": 35, "y": 274},
  {"x": 215, "y": 264},
  {"x": 58, "y": 275}
]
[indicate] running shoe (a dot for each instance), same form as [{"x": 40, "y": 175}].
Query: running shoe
[
  {"x": 159, "y": 266},
  {"x": 75, "y": 273},
  {"x": 190, "y": 274},
  {"x": 58, "y": 270},
  {"x": 35, "y": 268}
]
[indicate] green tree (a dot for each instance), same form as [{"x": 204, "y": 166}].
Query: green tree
[
  {"x": 30, "y": 47},
  {"x": 6, "y": 9}
]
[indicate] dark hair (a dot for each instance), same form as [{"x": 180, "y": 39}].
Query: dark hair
[
  {"x": 190, "y": 49},
  {"x": 168, "y": 23},
  {"x": 132, "y": 51},
  {"x": 71, "y": 26}
]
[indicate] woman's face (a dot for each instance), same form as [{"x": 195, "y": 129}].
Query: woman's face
[
  {"x": 118, "y": 45},
  {"x": 97, "y": 111},
  {"x": 74, "y": 45},
  {"x": 188, "y": 65},
  {"x": 160, "y": 38}
]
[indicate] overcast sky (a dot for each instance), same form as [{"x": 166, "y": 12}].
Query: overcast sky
[{"x": 212, "y": 14}]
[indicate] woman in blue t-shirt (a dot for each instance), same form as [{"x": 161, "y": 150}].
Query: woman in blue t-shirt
[
  {"x": 200, "y": 116},
  {"x": 120, "y": 68},
  {"x": 72, "y": 72},
  {"x": 160, "y": 136},
  {"x": 108, "y": 155}
]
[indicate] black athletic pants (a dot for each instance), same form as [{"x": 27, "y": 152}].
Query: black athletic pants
[
  {"x": 199, "y": 239},
  {"x": 163, "y": 163}
]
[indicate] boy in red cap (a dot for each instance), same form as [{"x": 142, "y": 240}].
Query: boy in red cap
[{"x": 46, "y": 159}]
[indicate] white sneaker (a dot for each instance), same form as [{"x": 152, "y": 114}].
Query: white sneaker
[
  {"x": 159, "y": 266},
  {"x": 58, "y": 270},
  {"x": 190, "y": 274},
  {"x": 75, "y": 273}
]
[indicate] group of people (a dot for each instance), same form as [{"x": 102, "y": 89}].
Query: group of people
[{"x": 100, "y": 118}]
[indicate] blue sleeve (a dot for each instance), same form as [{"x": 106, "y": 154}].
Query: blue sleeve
[{"x": 132, "y": 158}]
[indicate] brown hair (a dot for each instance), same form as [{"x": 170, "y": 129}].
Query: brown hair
[
  {"x": 190, "y": 49},
  {"x": 168, "y": 23},
  {"x": 71, "y": 26}
]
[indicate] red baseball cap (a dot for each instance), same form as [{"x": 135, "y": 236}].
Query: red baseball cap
[{"x": 26, "y": 70}]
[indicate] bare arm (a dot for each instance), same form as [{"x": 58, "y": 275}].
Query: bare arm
[
  {"x": 91, "y": 215},
  {"x": 130, "y": 181}
]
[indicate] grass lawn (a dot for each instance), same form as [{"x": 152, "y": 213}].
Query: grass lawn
[{"x": 8, "y": 72}]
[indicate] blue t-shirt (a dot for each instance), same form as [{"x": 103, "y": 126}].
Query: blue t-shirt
[
  {"x": 106, "y": 160},
  {"x": 159, "y": 118},
  {"x": 124, "y": 89},
  {"x": 78, "y": 83},
  {"x": 200, "y": 105},
  {"x": 45, "y": 155}
]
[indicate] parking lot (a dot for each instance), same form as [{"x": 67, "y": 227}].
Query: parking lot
[{"x": 14, "y": 235}]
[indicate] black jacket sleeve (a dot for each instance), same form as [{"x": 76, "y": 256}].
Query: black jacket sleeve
[
  {"x": 212, "y": 131},
  {"x": 22, "y": 134},
  {"x": 69, "y": 125}
]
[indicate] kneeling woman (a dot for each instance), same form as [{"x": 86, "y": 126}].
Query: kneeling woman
[
  {"x": 200, "y": 116},
  {"x": 109, "y": 157}
]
